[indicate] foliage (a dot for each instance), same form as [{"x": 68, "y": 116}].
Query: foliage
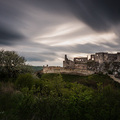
[
  {"x": 12, "y": 64},
  {"x": 57, "y": 97},
  {"x": 25, "y": 80}
]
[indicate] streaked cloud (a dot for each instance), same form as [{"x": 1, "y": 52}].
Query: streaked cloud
[{"x": 43, "y": 31}]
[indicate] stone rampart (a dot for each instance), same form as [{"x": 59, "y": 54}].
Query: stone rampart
[{"x": 66, "y": 70}]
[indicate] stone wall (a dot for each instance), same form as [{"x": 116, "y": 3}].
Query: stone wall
[
  {"x": 66, "y": 70},
  {"x": 68, "y": 64},
  {"x": 112, "y": 57},
  {"x": 101, "y": 58},
  {"x": 82, "y": 66},
  {"x": 118, "y": 56},
  {"x": 105, "y": 56},
  {"x": 92, "y": 57}
]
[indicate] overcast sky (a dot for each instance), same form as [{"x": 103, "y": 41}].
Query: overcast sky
[{"x": 43, "y": 31}]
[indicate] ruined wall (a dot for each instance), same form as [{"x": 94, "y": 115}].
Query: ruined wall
[
  {"x": 105, "y": 56},
  {"x": 96, "y": 57},
  {"x": 81, "y": 63},
  {"x": 112, "y": 57},
  {"x": 82, "y": 66},
  {"x": 118, "y": 56},
  {"x": 71, "y": 64},
  {"x": 80, "y": 60},
  {"x": 92, "y": 57},
  {"x": 92, "y": 65},
  {"x": 97, "y": 62},
  {"x": 66, "y": 70},
  {"x": 68, "y": 64},
  {"x": 64, "y": 64},
  {"x": 51, "y": 69},
  {"x": 101, "y": 58}
]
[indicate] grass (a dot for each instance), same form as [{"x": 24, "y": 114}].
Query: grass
[
  {"x": 37, "y": 68},
  {"x": 89, "y": 81}
]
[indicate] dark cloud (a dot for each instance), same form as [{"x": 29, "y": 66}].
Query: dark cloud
[
  {"x": 39, "y": 56},
  {"x": 81, "y": 48},
  {"x": 26, "y": 15},
  {"x": 98, "y": 14},
  {"x": 8, "y": 37}
]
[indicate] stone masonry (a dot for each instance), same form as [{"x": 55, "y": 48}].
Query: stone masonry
[{"x": 98, "y": 62}]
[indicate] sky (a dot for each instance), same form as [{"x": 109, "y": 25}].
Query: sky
[{"x": 43, "y": 31}]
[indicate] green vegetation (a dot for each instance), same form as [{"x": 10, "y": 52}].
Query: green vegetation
[
  {"x": 37, "y": 68},
  {"x": 60, "y": 97},
  {"x": 11, "y": 64}
]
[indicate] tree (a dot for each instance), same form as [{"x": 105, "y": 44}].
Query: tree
[{"x": 12, "y": 64}]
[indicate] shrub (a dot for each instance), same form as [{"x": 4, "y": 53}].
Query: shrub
[
  {"x": 25, "y": 80},
  {"x": 11, "y": 64},
  {"x": 110, "y": 72},
  {"x": 100, "y": 73},
  {"x": 7, "y": 87}
]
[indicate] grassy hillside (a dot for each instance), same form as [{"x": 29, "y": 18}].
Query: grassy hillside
[
  {"x": 60, "y": 97},
  {"x": 89, "y": 81},
  {"x": 37, "y": 68}
]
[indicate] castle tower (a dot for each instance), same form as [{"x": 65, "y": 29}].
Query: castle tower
[
  {"x": 99, "y": 57},
  {"x": 66, "y": 58}
]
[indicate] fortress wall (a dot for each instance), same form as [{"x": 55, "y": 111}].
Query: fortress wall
[
  {"x": 118, "y": 57},
  {"x": 67, "y": 71},
  {"x": 64, "y": 64},
  {"x": 71, "y": 64},
  {"x": 92, "y": 57},
  {"x": 68, "y": 63},
  {"x": 82, "y": 66},
  {"x": 112, "y": 57},
  {"x": 105, "y": 56},
  {"x": 96, "y": 57},
  {"x": 101, "y": 57}
]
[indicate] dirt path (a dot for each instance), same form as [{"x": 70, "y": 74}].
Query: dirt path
[{"x": 115, "y": 79}]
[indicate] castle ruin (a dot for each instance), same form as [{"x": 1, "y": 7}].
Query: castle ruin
[{"x": 101, "y": 61}]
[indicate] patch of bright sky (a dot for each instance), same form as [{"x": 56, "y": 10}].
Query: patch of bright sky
[
  {"x": 60, "y": 31},
  {"x": 93, "y": 39},
  {"x": 63, "y": 29},
  {"x": 53, "y": 63}
]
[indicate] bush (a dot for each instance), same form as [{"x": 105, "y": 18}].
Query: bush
[
  {"x": 25, "y": 80},
  {"x": 100, "y": 73},
  {"x": 11, "y": 64},
  {"x": 110, "y": 72}
]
